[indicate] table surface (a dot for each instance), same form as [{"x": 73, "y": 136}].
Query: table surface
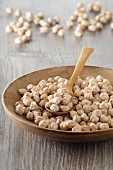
[{"x": 22, "y": 150}]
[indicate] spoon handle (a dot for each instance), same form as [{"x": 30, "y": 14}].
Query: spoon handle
[{"x": 86, "y": 51}]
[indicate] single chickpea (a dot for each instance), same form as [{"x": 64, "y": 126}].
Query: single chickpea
[
  {"x": 33, "y": 106},
  {"x": 77, "y": 93},
  {"x": 92, "y": 28},
  {"x": 36, "y": 113},
  {"x": 61, "y": 32},
  {"x": 29, "y": 16},
  {"x": 85, "y": 128},
  {"x": 78, "y": 106},
  {"x": 56, "y": 19},
  {"x": 38, "y": 119},
  {"x": 110, "y": 112},
  {"x": 9, "y": 10},
  {"x": 104, "y": 119},
  {"x": 87, "y": 108},
  {"x": 104, "y": 126},
  {"x": 27, "y": 101},
  {"x": 82, "y": 123},
  {"x": 70, "y": 124},
  {"x": 95, "y": 89},
  {"x": 44, "y": 30},
  {"x": 63, "y": 126},
  {"x": 43, "y": 123},
  {"x": 36, "y": 98},
  {"x": 64, "y": 108},
  {"x": 78, "y": 33},
  {"x": 70, "y": 23},
  {"x": 42, "y": 103},
  {"x": 18, "y": 13},
  {"x": 84, "y": 117},
  {"x": 94, "y": 118},
  {"x": 54, "y": 126},
  {"x": 88, "y": 96},
  {"x": 30, "y": 116},
  {"x": 8, "y": 29},
  {"x": 54, "y": 107},
  {"x": 104, "y": 96},
  {"x": 56, "y": 100},
  {"x": 97, "y": 112},
  {"x": 94, "y": 107},
  {"x": 52, "y": 88},
  {"x": 22, "y": 91},
  {"x": 93, "y": 126},
  {"x": 103, "y": 105},
  {"x": 41, "y": 15},
  {"x": 77, "y": 118},
  {"x": 66, "y": 99},
  {"x": 80, "y": 112},
  {"x": 72, "y": 113},
  {"x": 20, "y": 109},
  {"x": 77, "y": 128},
  {"x": 74, "y": 100},
  {"x": 99, "y": 78}
]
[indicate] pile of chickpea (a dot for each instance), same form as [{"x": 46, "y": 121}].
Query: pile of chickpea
[{"x": 93, "y": 101}]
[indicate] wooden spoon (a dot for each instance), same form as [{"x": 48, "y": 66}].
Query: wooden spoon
[{"x": 85, "y": 53}]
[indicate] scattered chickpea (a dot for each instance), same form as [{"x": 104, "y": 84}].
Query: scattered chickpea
[
  {"x": 8, "y": 29},
  {"x": 61, "y": 32},
  {"x": 44, "y": 29},
  {"x": 18, "y": 13},
  {"x": 29, "y": 16},
  {"x": 9, "y": 10},
  {"x": 69, "y": 24},
  {"x": 18, "y": 40}
]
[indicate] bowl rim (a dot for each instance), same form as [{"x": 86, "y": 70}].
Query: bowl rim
[{"x": 18, "y": 118}]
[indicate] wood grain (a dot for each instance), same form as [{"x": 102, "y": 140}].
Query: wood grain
[{"x": 21, "y": 150}]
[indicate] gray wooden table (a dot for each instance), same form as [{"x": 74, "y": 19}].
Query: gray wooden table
[{"x": 19, "y": 149}]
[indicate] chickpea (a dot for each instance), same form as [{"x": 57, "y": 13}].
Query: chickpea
[
  {"x": 77, "y": 118},
  {"x": 70, "y": 124},
  {"x": 84, "y": 117},
  {"x": 54, "y": 107},
  {"x": 104, "y": 126},
  {"x": 94, "y": 118},
  {"x": 93, "y": 126},
  {"x": 20, "y": 109},
  {"x": 97, "y": 112},
  {"x": 80, "y": 112},
  {"x": 54, "y": 126},
  {"x": 77, "y": 128},
  {"x": 43, "y": 123},
  {"x": 104, "y": 96},
  {"x": 36, "y": 113},
  {"x": 72, "y": 113},
  {"x": 30, "y": 116},
  {"x": 85, "y": 128},
  {"x": 38, "y": 119},
  {"x": 104, "y": 119},
  {"x": 87, "y": 108},
  {"x": 64, "y": 108},
  {"x": 27, "y": 101}
]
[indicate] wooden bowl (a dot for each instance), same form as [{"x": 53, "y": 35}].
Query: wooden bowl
[{"x": 11, "y": 95}]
